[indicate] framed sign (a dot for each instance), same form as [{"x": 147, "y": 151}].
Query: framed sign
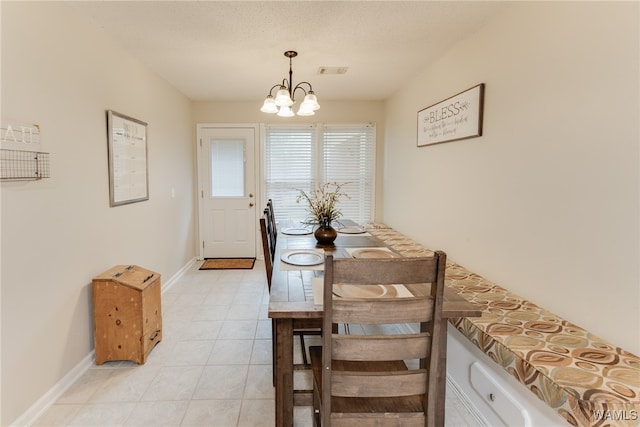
[
  {"x": 455, "y": 118},
  {"x": 128, "y": 170}
]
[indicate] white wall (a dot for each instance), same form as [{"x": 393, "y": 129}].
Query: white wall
[
  {"x": 545, "y": 203},
  {"x": 62, "y": 73}
]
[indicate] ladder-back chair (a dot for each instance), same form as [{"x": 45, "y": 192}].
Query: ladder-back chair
[
  {"x": 388, "y": 377},
  {"x": 269, "y": 234}
]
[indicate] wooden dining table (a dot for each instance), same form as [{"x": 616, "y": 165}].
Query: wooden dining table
[{"x": 291, "y": 306}]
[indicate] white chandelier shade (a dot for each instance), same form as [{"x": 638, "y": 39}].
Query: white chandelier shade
[
  {"x": 284, "y": 99},
  {"x": 269, "y": 105}
]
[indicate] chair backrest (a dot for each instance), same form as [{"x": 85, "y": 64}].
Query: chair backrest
[
  {"x": 267, "y": 246},
  {"x": 381, "y": 344},
  {"x": 271, "y": 225}
]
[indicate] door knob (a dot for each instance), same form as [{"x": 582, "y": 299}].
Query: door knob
[
  {"x": 250, "y": 194},
  {"x": 250, "y": 205}
]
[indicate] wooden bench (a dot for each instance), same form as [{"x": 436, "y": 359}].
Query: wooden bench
[{"x": 585, "y": 379}]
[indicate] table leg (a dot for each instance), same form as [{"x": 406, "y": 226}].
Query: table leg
[
  {"x": 442, "y": 375},
  {"x": 284, "y": 372}
]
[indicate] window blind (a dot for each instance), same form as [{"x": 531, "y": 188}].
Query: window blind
[
  {"x": 290, "y": 164},
  {"x": 349, "y": 156},
  {"x": 302, "y": 157}
]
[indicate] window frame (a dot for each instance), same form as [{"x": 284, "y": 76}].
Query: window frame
[{"x": 318, "y": 139}]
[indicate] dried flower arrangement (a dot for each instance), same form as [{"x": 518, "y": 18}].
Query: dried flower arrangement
[{"x": 322, "y": 203}]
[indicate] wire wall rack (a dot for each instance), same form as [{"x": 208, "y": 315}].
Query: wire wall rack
[{"x": 17, "y": 165}]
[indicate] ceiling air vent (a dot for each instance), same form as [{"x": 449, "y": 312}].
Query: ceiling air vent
[{"x": 332, "y": 70}]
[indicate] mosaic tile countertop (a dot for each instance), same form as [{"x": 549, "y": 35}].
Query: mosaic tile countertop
[{"x": 585, "y": 379}]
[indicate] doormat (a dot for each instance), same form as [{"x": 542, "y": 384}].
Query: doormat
[{"x": 228, "y": 264}]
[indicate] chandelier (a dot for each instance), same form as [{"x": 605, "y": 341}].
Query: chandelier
[{"x": 284, "y": 98}]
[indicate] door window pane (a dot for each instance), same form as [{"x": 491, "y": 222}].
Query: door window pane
[{"x": 227, "y": 168}]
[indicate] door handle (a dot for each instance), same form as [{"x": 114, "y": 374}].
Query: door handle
[{"x": 250, "y": 205}]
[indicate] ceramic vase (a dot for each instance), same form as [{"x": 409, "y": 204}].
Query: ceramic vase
[{"x": 325, "y": 234}]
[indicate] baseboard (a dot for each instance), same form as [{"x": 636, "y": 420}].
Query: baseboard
[
  {"x": 37, "y": 409},
  {"x": 166, "y": 285},
  {"x": 31, "y": 415}
]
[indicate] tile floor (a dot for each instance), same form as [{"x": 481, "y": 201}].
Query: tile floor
[{"x": 212, "y": 368}]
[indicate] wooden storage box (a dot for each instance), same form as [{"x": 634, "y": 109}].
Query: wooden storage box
[{"x": 127, "y": 313}]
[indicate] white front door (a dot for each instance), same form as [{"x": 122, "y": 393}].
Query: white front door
[{"x": 226, "y": 175}]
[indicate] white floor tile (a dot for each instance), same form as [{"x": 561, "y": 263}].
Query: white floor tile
[
  {"x": 82, "y": 390},
  {"x": 58, "y": 415},
  {"x": 219, "y": 413},
  {"x": 157, "y": 414},
  {"x": 191, "y": 353},
  {"x": 213, "y": 366},
  {"x": 102, "y": 414},
  {"x": 257, "y": 413},
  {"x": 259, "y": 383},
  {"x": 174, "y": 383},
  {"x": 221, "y": 382},
  {"x": 125, "y": 385},
  {"x": 262, "y": 352},
  {"x": 238, "y": 329},
  {"x": 231, "y": 352}
]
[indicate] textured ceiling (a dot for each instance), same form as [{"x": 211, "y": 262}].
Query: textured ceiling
[{"x": 233, "y": 50}]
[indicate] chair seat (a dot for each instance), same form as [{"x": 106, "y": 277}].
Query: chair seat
[{"x": 402, "y": 407}]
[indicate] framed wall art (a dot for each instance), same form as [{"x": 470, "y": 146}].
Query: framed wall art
[
  {"x": 127, "y": 151},
  {"x": 455, "y": 118}
]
